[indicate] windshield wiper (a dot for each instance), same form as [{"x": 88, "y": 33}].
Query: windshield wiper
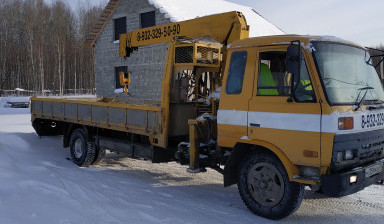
[{"x": 362, "y": 98}]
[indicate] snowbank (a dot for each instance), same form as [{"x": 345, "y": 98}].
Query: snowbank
[{"x": 5, "y": 106}]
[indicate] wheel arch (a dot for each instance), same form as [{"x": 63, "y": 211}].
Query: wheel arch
[
  {"x": 241, "y": 150},
  {"x": 46, "y": 127}
]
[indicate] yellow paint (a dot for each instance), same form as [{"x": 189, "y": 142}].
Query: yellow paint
[
  {"x": 194, "y": 145},
  {"x": 240, "y": 101},
  {"x": 230, "y": 135},
  {"x": 104, "y": 101},
  {"x": 125, "y": 80},
  {"x": 224, "y": 28}
]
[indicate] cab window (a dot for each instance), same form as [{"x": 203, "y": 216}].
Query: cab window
[
  {"x": 236, "y": 72},
  {"x": 274, "y": 80}
]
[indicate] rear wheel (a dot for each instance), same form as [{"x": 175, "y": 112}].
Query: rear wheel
[
  {"x": 265, "y": 188},
  {"x": 82, "y": 148},
  {"x": 100, "y": 153}
]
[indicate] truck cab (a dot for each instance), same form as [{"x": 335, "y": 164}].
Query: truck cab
[{"x": 313, "y": 103}]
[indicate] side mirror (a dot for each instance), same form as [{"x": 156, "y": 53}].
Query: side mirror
[
  {"x": 293, "y": 59},
  {"x": 125, "y": 80},
  {"x": 293, "y": 64}
]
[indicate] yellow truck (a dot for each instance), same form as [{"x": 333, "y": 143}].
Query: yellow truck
[{"x": 272, "y": 114}]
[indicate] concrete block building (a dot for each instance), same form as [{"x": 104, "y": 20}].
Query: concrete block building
[{"x": 147, "y": 64}]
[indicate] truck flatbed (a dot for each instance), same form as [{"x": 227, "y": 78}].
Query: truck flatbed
[{"x": 127, "y": 115}]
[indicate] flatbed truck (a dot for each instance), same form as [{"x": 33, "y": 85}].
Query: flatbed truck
[{"x": 273, "y": 114}]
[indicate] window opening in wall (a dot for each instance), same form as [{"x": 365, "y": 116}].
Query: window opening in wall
[
  {"x": 147, "y": 19},
  {"x": 120, "y": 27},
  {"x": 117, "y": 75}
]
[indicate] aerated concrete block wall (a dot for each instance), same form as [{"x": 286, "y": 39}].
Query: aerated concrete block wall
[{"x": 146, "y": 65}]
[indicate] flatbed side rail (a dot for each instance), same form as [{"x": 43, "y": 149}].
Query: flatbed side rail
[{"x": 143, "y": 120}]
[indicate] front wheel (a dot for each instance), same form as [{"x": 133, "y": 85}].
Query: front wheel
[{"x": 265, "y": 188}]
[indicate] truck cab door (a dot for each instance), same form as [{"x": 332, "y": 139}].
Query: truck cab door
[{"x": 274, "y": 120}]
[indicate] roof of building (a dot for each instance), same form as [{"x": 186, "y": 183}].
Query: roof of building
[{"x": 179, "y": 10}]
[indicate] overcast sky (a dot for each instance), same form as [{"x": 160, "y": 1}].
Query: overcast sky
[{"x": 356, "y": 20}]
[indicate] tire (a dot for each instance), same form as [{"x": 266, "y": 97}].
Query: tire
[
  {"x": 82, "y": 148},
  {"x": 100, "y": 153},
  {"x": 265, "y": 188}
]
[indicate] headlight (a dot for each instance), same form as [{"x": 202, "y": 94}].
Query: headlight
[
  {"x": 353, "y": 179},
  {"x": 345, "y": 123}
]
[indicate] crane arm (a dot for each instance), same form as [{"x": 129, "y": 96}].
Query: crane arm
[{"x": 224, "y": 28}]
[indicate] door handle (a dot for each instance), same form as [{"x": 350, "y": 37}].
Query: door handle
[{"x": 254, "y": 125}]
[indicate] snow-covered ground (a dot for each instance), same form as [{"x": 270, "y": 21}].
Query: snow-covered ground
[{"x": 38, "y": 184}]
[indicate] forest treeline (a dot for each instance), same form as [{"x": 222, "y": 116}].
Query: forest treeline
[{"x": 42, "y": 46}]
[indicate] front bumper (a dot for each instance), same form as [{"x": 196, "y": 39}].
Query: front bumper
[
  {"x": 338, "y": 185},
  {"x": 367, "y": 147}
]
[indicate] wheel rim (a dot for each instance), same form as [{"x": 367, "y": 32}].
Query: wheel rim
[
  {"x": 78, "y": 150},
  {"x": 265, "y": 184}
]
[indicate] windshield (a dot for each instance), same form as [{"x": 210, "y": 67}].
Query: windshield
[{"x": 346, "y": 73}]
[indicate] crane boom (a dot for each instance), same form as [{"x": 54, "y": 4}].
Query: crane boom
[{"x": 224, "y": 28}]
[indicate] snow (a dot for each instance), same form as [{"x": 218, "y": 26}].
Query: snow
[
  {"x": 309, "y": 47},
  {"x": 216, "y": 94},
  {"x": 39, "y": 185},
  {"x": 70, "y": 96},
  {"x": 5, "y": 100},
  {"x": 204, "y": 116},
  {"x": 120, "y": 90},
  {"x": 179, "y": 10},
  {"x": 245, "y": 138},
  {"x": 333, "y": 39}
]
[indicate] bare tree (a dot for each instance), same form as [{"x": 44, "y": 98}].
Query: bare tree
[{"x": 42, "y": 45}]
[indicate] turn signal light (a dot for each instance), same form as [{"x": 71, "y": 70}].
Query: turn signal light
[
  {"x": 308, "y": 153},
  {"x": 345, "y": 123}
]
